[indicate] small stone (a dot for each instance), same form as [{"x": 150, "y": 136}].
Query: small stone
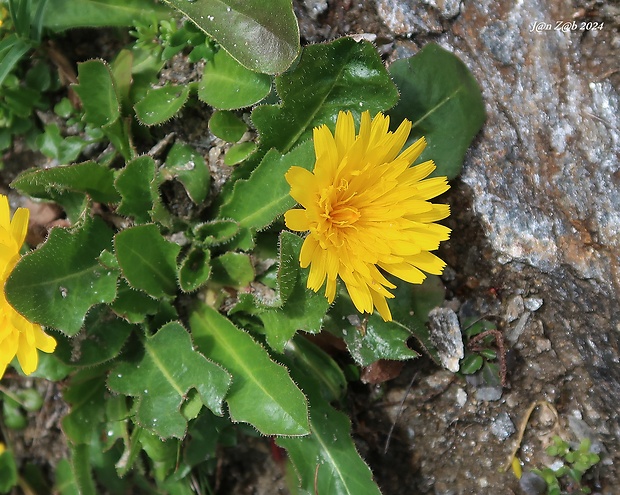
[
  {"x": 502, "y": 426},
  {"x": 488, "y": 394},
  {"x": 461, "y": 397},
  {"x": 445, "y": 334},
  {"x": 532, "y": 484},
  {"x": 514, "y": 308},
  {"x": 543, "y": 345},
  {"x": 533, "y": 303}
]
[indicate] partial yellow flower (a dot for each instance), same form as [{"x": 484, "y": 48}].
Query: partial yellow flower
[
  {"x": 18, "y": 336},
  {"x": 367, "y": 211}
]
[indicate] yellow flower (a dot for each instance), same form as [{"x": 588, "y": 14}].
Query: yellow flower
[
  {"x": 18, "y": 336},
  {"x": 367, "y": 211}
]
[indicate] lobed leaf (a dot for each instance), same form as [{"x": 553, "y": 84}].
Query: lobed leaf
[
  {"x": 341, "y": 75},
  {"x": 262, "y": 37},
  {"x": 262, "y": 392},
  {"x": 90, "y": 178},
  {"x": 147, "y": 260},
  {"x": 443, "y": 101},
  {"x": 97, "y": 92},
  {"x": 256, "y": 211},
  {"x": 195, "y": 269},
  {"x": 133, "y": 305},
  {"x": 228, "y": 85},
  {"x": 161, "y": 380},
  {"x": 58, "y": 283},
  {"x": 326, "y": 461}
]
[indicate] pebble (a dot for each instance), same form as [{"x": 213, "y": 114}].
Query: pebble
[
  {"x": 514, "y": 308},
  {"x": 461, "y": 397},
  {"x": 445, "y": 334},
  {"x": 533, "y": 303},
  {"x": 488, "y": 394},
  {"x": 502, "y": 426},
  {"x": 532, "y": 484}
]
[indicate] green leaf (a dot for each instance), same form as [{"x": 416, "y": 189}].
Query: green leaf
[
  {"x": 471, "y": 364},
  {"x": 161, "y": 104},
  {"x": 138, "y": 188},
  {"x": 376, "y": 339},
  {"x": 12, "y": 49},
  {"x": 227, "y": 85},
  {"x": 103, "y": 338},
  {"x": 262, "y": 392},
  {"x": 80, "y": 461},
  {"x": 8, "y": 472},
  {"x": 132, "y": 305},
  {"x": 326, "y": 461},
  {"x": 256, "y": 211},
  {"x": 190, "y": 169},
  {"x": 167, "y": 371},
  {"x": 296, "y": 307},
  {"x": 443, "y": 101},
  {"x": 65, "y": 479},
  {"x": 53, "y": 145},
  {"x": 238, "y": 153},
  {"x": 341, "y": 75},
  {"x": 232, "y": 269},
  {"x": 101, "y": 103},
  {"x": 58, "y": 283},
  {"x": 227, "y": 126},
  {"x": 195, "y": 269},
  {"x": 215, "y": 232},
  {"x": 262, "y": 38},
  {"x": 69, "y": 14},
  {"x": 86, "y": 395},
  {"x": 147, "y": 260},
  {"x": 97, "y": 92},
  {"x": 89, "y": 178}
]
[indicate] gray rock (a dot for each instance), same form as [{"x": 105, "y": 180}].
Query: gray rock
[
  {"x": 488, "y": 394},
  {"x": 502, "y": 426},
  {"x": 445, "y": 334},
  {"x": 532, "y": 484}
]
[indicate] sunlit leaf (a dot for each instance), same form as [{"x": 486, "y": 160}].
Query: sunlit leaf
[
  {"x": 167, "y": 371},
  {"x": 255, "y": 211},
  {"x": 232, "y": 269},
  {"x": 58, "y": 283},
  {"x": 227, "y": 85},
  {"x": 263, "y": 38},
  {"x": 325, "y": 461},
  {"x": 341, "y": 75},
  {"x": 239, "y": 152},
  {"x": 443, "y": 101},
  {"x": 262, "y": 392}
]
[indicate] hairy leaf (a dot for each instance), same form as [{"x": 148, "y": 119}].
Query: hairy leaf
[
  {"x": 138, "y": 188},
  {"x": 168, "y": 370},
  {"x": 341, "y": 75},
  {"x": 190, "y": 169},
  {"x": 147, "y": 260},
  {"x": 256, "y": 211},
  {"x": 161, "y": 104},
  {"x": 262, "y": 36},
  {"x": 89, "y": 178},
  {"x": 227, "y": 85},
  {"x": 227, "y": 126},
  {"x": 232, "y": 269},
  {"x": 58, "y": 283},
  {"x": 262, "y": 392},
  {"x": 443, "y": 101},
  {"x": 326, "y": 461}
]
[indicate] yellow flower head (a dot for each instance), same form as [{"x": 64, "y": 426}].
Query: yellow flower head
[
  {"x": 367, "y": 211},
  {"x": 18, "y": 336}
]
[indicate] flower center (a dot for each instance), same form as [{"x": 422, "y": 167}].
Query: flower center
[{"x": 336, "y": 204}]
